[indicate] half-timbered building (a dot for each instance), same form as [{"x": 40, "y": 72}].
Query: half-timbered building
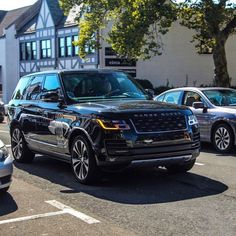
[{"x": 44, "y": 40}]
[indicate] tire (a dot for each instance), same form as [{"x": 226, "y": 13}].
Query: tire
[
  {"x": 1, "y": 119},
  {"x": 83, "y": 160},
  {"x": 4, "y": 190},
  {"x": 20, "y": 151},
  {"x": 222, "y": 138},
  {"x": 181, "y": 168}
]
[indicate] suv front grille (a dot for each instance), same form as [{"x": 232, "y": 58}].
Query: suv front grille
[{"x": 158, "y": 122}]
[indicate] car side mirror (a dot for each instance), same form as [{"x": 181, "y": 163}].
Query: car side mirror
[
  {"x": 150, "y": 92},
  {"x": 50, "y": 97},
  {"x": 200, "y": 105}
]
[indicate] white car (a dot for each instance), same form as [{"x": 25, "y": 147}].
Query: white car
[{"x": 6, "y": 168}]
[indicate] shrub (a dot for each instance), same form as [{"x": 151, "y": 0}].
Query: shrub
[{"x": 146, "y": 84}]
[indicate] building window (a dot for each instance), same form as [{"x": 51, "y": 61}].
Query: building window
[
  {"x": 75, "y": 48},
  {"x": 22, "y": 52},
  {"x": 33, "y": 50},
  {"x": 89, "y": 50},
  {"x": 28, "y": 51},
  {"x": 62, "y": 49},
  {"x": 46, "y": 51},
  {"x": 67, "y": 48}
]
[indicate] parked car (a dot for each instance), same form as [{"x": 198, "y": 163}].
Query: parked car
[
  {"x": 2, "y": 112},
  {"x": 215, "y": 109},
  {"x": 98, "y": 118},
  {"x": 6, "y": 168}
]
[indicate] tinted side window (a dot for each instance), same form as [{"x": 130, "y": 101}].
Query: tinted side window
[
  {"x": 20, "y": 88},
  {"x": 160, "y": 99},
  {"x": 190, "y": 98},
  {"x": 172, "y": 97},
  {"x": 51, "y": 83},
  {"x": 34, "y": 89}
]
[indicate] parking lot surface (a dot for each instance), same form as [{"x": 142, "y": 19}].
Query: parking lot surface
[{"x": 46, "y": 199}]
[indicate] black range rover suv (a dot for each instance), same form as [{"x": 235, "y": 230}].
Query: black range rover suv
[{"x": 98, "y": 118}]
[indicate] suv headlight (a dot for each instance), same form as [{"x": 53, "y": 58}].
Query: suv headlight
[
  {"x": 113, "y": 124},
  {"x": 192, "y": 120},
  {"x": 3, "y": 153}
]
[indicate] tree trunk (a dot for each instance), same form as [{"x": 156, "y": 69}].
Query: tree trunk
[{"x": 221, "y": 77}]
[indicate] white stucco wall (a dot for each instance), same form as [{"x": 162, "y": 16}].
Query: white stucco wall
[
  {"x": 180, "y": 61},
  {"x": 11, "y": 68},
  {"x": 2, "y": 59}
]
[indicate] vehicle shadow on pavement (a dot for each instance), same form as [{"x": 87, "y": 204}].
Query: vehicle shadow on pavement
[
  {"x": 7, "y": 204},
  {"x": 208, "y": 147},
  {"x": 131, "y": 186}
]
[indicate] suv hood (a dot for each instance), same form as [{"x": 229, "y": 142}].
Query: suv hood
[{"x": 127, "y": 106}]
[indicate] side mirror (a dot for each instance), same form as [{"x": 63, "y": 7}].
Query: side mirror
[
  {"x": 200, "y": 105},
  {"x": 150, "y": 92},
  {"x": 50, "y": 97}
]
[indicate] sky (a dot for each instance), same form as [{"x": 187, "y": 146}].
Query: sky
[{"x": 14, "y": 4}]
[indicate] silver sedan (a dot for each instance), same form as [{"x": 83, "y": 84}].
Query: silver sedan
[
  {"x": 6, "y": 168},
  {"x": 215, "y": 109}
]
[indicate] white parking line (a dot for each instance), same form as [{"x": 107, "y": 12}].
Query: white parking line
[
  {"x": 73, "y": 212},
  {"x": 3, "y": 131},
  {"x": 199, "y": 164},
  {"x": 32, "y": 217},
  {"x": 64, "y": 210},
  {"x": 8, "y": 145}
]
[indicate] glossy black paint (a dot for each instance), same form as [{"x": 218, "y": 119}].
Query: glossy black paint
[
  {"x": 50, "y": 128},
  {"x": 2, "y": 111}
]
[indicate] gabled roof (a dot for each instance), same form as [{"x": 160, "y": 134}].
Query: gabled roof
[
  {"x": 69, "y": 20},
  {"x": 25, "y": 18},
  {"x": 9, "y": 18},
  {"x": 28, "y": 18},
  {"x": 2, "y": 14},
  {"x": 55, "y": 10}
]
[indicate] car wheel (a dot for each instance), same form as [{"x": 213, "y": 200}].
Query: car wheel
[
  {"x": 181, "y": 168},
  {"x": 83, "y": 160},
  {"x": 4, "y": 190},
  {"x": 1, "y": 119},
  {"x": 20, "y": 151},
  {"x": 222, "y": 138}
]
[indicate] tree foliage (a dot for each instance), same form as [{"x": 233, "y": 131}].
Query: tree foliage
[
  {"x": 136, "y": 24},
  {"x": 213, "y": 21}
]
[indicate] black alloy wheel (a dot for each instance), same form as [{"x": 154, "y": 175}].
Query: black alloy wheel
[
  {"x": 20, "y": 151},
  {"x": 83, "y": 160}
]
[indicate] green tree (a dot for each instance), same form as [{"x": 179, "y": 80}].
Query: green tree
[
  {"x": 213, "y": 21},
  {"x": 136, "y": 25}
]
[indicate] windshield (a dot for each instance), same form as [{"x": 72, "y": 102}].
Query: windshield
[
  {"x": 224, "y": 97},
  {"x": 89, "y": 86}
]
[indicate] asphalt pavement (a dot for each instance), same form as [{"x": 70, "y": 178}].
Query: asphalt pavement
[{"x": 45, "y": 199}]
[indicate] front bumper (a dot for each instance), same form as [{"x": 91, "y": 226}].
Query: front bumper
[
  {"x": 6, "y": 169},
  {"x": 176, "y": 147}
]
